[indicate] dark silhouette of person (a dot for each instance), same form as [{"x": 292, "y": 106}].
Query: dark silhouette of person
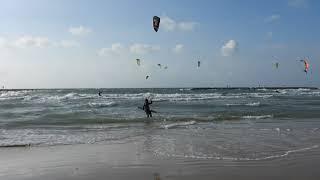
[
  {"x": 146, "y": 107},
  {"x": 99, "y": 93}
]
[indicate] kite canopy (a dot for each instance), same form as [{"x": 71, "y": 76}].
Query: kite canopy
[
  {"x": 138, "y": 62},
  {"x": 306, "y": 65},
  {"x": 276, "y": 64},
  {"x": 159, "y": 65},
  {"x": 156, "y": 23}
]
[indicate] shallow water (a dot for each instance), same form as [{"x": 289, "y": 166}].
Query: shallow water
[{"x": 231, "y": 124}]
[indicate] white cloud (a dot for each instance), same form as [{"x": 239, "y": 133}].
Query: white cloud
[
  {"x": 80, "y": 31},
  {"x": 143, "y": 48},
  {"x": 229, "y": 48},
  {"x": 272, "y": 18},
  {"x": 28, "y": 41},
  {"x": 32, "y": 41},
  {"x": 68, "y": 44},
  {"x": 298, "y": 3},
  {"x": 169, "y": 24},
  {"x": 187, "y": 26},
  {"x": 115, "y": 48},
  {"x": 178, "y": 48}
]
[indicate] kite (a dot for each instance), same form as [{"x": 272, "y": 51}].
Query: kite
[
  {"x": 138, "y": 62},
  {"x": 306, "y": 65},
  {"x": 156, "y": 23}
]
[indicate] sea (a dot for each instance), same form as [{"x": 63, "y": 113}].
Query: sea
[{"x": 202, "y": 123}]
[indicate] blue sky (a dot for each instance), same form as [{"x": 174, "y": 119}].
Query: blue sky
[{"x": 93, "y": 44}]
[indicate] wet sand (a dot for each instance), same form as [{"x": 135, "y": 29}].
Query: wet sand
[{"x": 132, "y": 160}]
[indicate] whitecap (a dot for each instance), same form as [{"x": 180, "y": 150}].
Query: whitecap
[
  {"x": 247, "y": 104},
  {"x": 257, "y": 117},
  {"x": 253, "y": 104},
  {"x": 102, "y": 104},
  {"x": 173, "y": 125}
]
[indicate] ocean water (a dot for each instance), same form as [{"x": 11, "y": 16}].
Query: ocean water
[{"x": 231, "y": 124}]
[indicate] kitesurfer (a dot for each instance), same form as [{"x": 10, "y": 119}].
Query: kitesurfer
[{"x": 146, "y": 107}]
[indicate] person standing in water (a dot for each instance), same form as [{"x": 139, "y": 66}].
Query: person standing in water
[
  {"x": 99, "y": 93},
  {"x": 146, "y": 107}
]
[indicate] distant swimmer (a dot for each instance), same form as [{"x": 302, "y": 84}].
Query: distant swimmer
[
  {"x": 146, "y": 107},
  {"x": 99, "y": 93}
]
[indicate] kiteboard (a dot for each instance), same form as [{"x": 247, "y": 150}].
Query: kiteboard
[{"x": 150, "y": 110}]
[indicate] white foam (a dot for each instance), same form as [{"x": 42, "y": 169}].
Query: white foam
[
  {"x": 303, "y": 89},
  {"x": 102, "y": 104},
  {"x": 70, "y": 96},
  {"x": 173, "y": 125},
  {"x": 253, "y": 104},
  {"x": 217, "y": 157},
  {"x": 13, "y": 93},
  {"x": 260, "y": 95},
  {"x": 185, "y": 89},
  {"x": 313, "y": 93},
  {"x": 257, "y": 117},
  {"x": 247, "y": 104}
]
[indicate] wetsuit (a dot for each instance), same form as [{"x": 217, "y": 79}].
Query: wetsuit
[{"x": 146, "y": 108}]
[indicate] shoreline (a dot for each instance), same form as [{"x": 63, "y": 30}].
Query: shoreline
[{"x": 191, "y": 88}]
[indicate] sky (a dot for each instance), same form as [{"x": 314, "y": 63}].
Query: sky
[{"x": 95, "y": 44}]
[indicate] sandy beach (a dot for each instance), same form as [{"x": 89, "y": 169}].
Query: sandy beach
[{"x": 131, "y": 160}]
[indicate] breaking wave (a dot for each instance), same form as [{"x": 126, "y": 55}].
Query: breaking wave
[
  {"x": 245, "y": 104},
  {"x": 178, "y": 124},
  {"x": 102, "y": 104},
  {"x": 257, "y": 117}
]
